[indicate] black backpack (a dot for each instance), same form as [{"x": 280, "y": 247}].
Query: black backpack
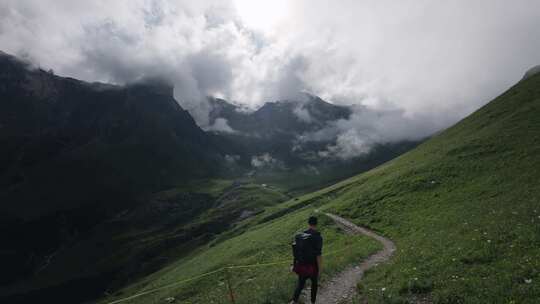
[{"x": 302, "y": 247}]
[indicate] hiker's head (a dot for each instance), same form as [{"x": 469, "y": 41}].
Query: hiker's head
[{"x": 312, "y": 221}]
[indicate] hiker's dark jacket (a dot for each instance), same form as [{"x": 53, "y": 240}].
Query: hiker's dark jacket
[{"x": 317, "y": 243}]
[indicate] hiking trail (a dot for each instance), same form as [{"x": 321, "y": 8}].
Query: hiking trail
[{"x": 342, "y": 287}]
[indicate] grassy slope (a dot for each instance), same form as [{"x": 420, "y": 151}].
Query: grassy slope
[
  {"x": 260, "y": 239},
  {"x": 262, "y": 243},
  {"x": 227, "y": 203},
  {"x": 463, "y": 209}
]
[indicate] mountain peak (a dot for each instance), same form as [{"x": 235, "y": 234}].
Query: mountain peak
[
  {"x": 6, "y": 56},
  {"x": 531, "y": 72},
  {"x": 158, "y": 85}
]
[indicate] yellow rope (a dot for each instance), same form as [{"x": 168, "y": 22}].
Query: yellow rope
[
  {"x": 166, "y": 286},
  {"x": 212, "y": 272}
]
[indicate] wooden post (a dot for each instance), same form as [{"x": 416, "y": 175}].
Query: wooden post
[{"x": 229, "y": 286}]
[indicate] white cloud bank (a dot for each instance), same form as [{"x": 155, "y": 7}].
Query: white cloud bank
[
  {"x": 220, "y": 125},
  {"x": 432, "y": 62}
]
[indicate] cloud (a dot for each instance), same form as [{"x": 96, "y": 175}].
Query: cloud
[
  {"x": 366, "y": 128},
  {"x": 302, "y": 113},
  {"x": 220, "y": 125},
  {"x": 232, "y": 160},
  {"x": 265, "y": 160},
  {"x": 433, "y": 62},
  {"x": 349, "y": 144}
]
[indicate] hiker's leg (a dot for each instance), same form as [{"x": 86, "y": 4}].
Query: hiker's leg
[
  {"x": 314, "y": 286},
  {"x": 299, "y": 287}
]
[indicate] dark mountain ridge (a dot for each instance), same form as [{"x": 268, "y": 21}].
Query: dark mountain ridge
[
  {"x": 91, "y": 140},
  {"x": 284, "y": 117},
  {"x": 272, "y": 138},
  {"x": 76, "y": 154}
]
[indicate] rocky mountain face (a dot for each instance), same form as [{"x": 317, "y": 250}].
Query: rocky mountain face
[
  {"x": 272, "y": 132},
  {"x": 273, "y": 136},
  {"x": 67, "y": 143},
  {"x": 75, "y": 154},
  {"x": 280, "y": 118}
]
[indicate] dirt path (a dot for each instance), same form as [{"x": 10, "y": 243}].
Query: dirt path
[{"x": 342, "y": 287}]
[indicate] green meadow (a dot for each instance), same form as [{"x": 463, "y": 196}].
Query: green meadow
[{"x": 463, "y": 209}]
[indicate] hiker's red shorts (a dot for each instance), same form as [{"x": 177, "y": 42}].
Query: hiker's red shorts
[{"x": 305, "y": 270}]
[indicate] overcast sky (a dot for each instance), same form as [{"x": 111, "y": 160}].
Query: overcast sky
[{"x": 432, "y": 61}]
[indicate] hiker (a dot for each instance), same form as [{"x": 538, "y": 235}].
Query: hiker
[{"x": 307, "y": 250}]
